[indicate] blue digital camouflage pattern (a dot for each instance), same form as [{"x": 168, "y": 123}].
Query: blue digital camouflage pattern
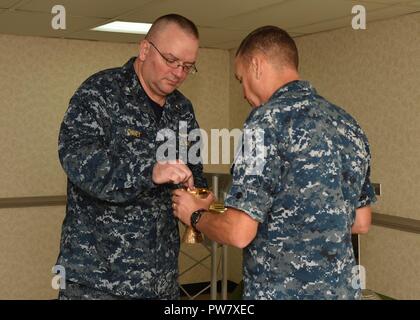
[
  {"x": 75, "y": 291},
  {"x": 316, "y": 173},
  {"x": 119, "y": 235}
]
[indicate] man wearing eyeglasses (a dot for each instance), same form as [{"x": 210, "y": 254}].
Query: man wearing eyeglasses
[{"x": 119, "y": 237}]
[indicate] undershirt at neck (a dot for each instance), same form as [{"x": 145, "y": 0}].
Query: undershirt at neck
[{"x": 157, "y": 109}]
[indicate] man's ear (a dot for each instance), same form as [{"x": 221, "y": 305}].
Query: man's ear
[
  {"x": 144, "y": 48},
  {"x": 256, "y": 66}
]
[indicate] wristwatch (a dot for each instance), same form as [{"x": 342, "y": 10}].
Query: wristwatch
[{"x": 195, "y": 217}]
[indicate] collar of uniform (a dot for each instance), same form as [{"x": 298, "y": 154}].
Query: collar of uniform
[
  {"x": 131, "y": 81},
  {"x": 294, "y": 87},
  {"x": 172, "y": 102}
]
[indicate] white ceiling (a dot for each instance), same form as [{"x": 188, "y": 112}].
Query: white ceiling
[{"x": 222, "y": 23}]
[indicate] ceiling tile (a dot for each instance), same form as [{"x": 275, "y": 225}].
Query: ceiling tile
[
  {"x": 91, "y": 8},
  {"x": 39, "y": 24},
  {"x": 371, "y": 16},
  {"x": 414, "y": 3},
  {"x": 202, "y": 12},
  {"x": 208, "y": 36},
  {"x": 7, "y": 3},
  {"x": 389, "y": 2},
  {"x": 294, "y": 14},
  {"x": 390, "y": 12},
  {"x": 323, "y": 26},
  {"x": 107, "y": 36},
  {"x": 222, "y": 23}
]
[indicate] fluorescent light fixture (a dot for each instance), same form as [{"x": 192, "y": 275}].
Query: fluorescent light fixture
[{"x": 125, "y": 27}]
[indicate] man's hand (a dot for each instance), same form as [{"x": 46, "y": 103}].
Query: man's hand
[
  {"x": 173, "y": 172},
  {"x": 363, "y": 220},
  {"x": 184, "y": 204}
]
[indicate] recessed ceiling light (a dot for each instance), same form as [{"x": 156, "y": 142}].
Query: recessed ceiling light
[{"x": 125, "y": 27}]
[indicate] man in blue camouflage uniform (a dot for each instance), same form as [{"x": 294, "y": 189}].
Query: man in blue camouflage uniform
[
  {"x": 119, "y": 237},
  {"x": 295, "y": 211}
]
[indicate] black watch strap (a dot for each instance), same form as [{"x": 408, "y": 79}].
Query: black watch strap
[{"x": 195, "y": 217}]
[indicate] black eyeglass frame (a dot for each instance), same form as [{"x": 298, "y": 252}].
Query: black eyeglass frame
[{"x": 189, "y": 69}]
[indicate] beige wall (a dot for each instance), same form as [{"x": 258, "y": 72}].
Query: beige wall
[
  {"x": 373, "y": 74},
  {"x": 209, "y": 92},
  {"x": 392, "y": 262},
  {"x": 29, "y": 240},
  {"x": 37, "y": 78},
  {"x": 239, "y": 108}
]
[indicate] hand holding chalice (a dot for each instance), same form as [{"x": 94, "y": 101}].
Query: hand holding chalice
[{"x": 187, "y": 201}]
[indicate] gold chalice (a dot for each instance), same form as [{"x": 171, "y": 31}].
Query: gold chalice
[{"x": 192, "y": 236}]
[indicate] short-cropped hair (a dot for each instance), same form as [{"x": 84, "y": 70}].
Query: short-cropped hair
[
  {"x": 274, "y": 42},
  {"x": 182, "y": 22}
]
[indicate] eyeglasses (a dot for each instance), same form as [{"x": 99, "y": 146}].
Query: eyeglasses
[{"x": 175, "y": 63}]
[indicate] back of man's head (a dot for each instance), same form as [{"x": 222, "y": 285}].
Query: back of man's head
[
  {"x": 275, "y": 43},
  {"x": 185, "y": 24}
]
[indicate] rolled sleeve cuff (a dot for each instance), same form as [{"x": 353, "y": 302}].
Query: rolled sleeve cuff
[
  {"x": 368, "y": 196},
  {"x": 254, "y": 202},
  {"x": 366, "y": 201}
]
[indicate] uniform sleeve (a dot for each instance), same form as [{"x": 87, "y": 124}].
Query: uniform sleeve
[
  {"x": 90, "y": 156},
  {"x": 367, "y": 196},
  {"x": 196, "y": 164},
  {"x": 255, "y": 171}
]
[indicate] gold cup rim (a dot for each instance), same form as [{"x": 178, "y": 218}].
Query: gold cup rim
[{"x": 199, "y": 191}]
